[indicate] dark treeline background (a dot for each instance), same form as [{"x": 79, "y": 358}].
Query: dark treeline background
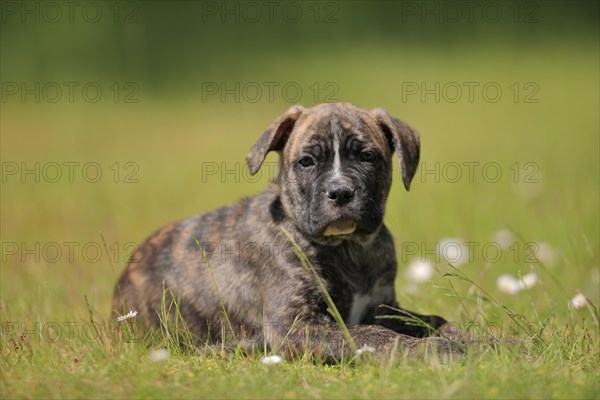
[{"x": 162, "y": 42}]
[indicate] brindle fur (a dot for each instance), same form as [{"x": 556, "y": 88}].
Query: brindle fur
[{"x": 267, "y": 293}]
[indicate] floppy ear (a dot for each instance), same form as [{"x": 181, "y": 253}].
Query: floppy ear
[
  {"x": 273, "y": 139},
  {"x": 404, "y": 140}
]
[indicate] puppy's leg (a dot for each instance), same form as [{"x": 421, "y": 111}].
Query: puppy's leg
[
  {"x": 407, "y": 322},
  {"x": 301, "y": 326},
  {"x": 421, "y": 326},
  {"x": 326, "y": 341}
]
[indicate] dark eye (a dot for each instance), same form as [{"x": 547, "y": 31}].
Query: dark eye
[
  {"x": 367, "y": 156},
  {"x": 306, "y": 161}
]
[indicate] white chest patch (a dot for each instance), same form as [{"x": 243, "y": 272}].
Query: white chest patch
[{"x": 362, "y": 301}]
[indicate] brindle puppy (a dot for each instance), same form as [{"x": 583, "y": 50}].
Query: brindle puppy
[{"x": 334, "y": 179}]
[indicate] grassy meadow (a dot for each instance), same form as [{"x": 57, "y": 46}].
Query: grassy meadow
[{"x": 82, "y": 182}]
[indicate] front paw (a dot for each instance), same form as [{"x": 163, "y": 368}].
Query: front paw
[{"x": 452, "y": 332}]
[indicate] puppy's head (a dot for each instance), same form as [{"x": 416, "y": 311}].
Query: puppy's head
[{"x": 336, "y": 167}]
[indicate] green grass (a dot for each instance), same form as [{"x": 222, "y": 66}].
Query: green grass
[{"x": 169, "y": 138}]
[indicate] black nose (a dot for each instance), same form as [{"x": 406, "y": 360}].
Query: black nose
[{"x": 340, "y": 193}]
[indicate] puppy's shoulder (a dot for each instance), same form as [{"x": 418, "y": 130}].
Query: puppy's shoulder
[{"x": 238, "y": 220}]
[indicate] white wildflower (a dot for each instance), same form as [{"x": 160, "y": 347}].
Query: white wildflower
[
  {"x": 159, "y": 355},
  {"x": 365, "y": 349},
  {"x": 579, "y": 301},
  {"x": 546, "y": 254},
  {"x": 453, "y": 250},
  {"x": 528, "y": 281},
  {"x": 419, "y": 270},
  {"x": 511, "y": 285},
  {"x": 508, "y": 284},
  {"x": 271, "y": 360},
  {"x": 130, "y": 314},
  {"x": 503, "y": 238}
]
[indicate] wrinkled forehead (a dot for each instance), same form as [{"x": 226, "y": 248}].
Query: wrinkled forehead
[{"x": 329, "y": 122}]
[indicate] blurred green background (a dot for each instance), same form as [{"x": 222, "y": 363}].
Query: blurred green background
[{"x": 161, "y": 90}]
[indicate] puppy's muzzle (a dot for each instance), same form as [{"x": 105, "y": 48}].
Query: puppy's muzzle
[{"x": 340, "y": 191}]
